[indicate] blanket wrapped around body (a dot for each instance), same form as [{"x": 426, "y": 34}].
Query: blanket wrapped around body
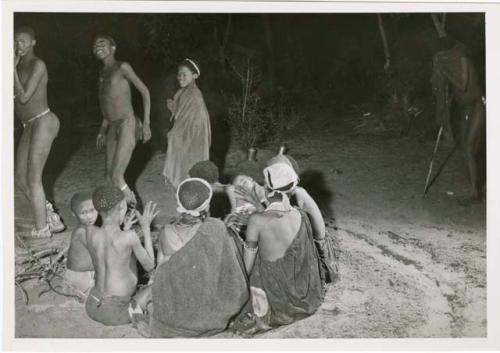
[
  {"x": 201, "y": 287},
  {"x": 190, "y": 138},
  {"x": 292, "y": 284}
]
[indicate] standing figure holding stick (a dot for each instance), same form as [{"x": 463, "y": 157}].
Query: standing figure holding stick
[
  {"x": 454, "y": 74},
  {"x": 120, "y": 129}
]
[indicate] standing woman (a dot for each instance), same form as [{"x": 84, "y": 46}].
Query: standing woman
[{"x": 189, "y": 140}]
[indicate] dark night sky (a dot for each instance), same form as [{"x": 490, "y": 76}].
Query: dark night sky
[{"x": 313, "y": 55}]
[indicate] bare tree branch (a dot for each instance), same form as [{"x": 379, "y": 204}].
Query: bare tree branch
[
  {"x": 438, "y": 25},
  {"x": 384, "y": 42}
]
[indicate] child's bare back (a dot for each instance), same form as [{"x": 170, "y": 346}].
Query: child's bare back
[{"x": 78, "y": 255}]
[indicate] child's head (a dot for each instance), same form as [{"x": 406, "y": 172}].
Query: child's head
[
  {"x": 109, "y": 201},
  {"x": 83, "y": 208},
  {"x": 206, "y": 170},
  {"x": 244, "y": 181},
  {"x": 188, "y": 71},
  {"x": 104, "y": 46}
]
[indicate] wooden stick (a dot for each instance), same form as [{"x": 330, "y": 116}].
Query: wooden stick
[{"x": 432, "y": 159}]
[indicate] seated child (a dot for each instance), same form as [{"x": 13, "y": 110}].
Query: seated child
[
  {"x": 114, "y": 254},
  {"x": 79, "y": 274}
]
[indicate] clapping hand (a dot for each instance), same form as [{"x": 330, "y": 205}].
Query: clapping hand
[
  {"x": 150, "y": 212},
  {"x": 130, "y": 220}
]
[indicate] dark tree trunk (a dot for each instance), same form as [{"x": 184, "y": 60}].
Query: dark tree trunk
[
  {"x": 222, "y": 43},
  {"x": 266, "y": 21}
]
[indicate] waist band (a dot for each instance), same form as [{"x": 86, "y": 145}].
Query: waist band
[{"x": 45, "y": 112}]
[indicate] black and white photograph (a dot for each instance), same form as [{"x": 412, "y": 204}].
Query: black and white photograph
[{"x": 240, "y": 173}]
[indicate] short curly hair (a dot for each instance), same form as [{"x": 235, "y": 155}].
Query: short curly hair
[
  {"x": 206, "y": 170},
  {"x": 106, "y": 197},
  {"x": 192, "y": 194}
]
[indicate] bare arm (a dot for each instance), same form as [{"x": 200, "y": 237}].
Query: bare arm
[
  {"x": 24, "y": 93},
  {"x": 145, "y": 258},
  {"x": 251, "y": 243},
  {"x": 150, "y": 212},
  {"x": 307, "y": 203},
  {"x": 130, "y": 74},
  {"x": 229, "y": 189}
]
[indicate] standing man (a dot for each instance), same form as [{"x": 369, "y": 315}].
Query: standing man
[
  {"x": 455, "y": 75},
  {"x": 40, "y": 128},
  {"x": 120, "y": 129}
]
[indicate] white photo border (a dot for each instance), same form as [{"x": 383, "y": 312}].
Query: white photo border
[{"x": 492, "y": 19}]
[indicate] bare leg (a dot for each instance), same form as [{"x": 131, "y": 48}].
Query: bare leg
[
  {"x": 22, "y": 156},
  {"x": 473, "y": 144},
  {"x": 123, "y": 153},
  {"x": 144, "y": 297},
  {"x": 111, "y": 144},
  {"x": 44, "y": 130}
]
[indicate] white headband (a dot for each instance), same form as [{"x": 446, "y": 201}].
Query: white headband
[
  {"x": 197, "y": 211},
  {"x": 279, "y": 175},
  {"x": 195, "y": 66}
]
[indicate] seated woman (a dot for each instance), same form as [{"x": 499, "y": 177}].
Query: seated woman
[
  {"x": 199, "y": 284},
  {"x": 326, "y": 243},
  {"x": 280, "y": 256}
]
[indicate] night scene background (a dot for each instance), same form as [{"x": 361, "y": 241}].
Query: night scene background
[{"x": 362, "y": 132}]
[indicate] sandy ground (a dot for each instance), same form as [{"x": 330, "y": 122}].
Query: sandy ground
[{"x": 411, "y": 266}]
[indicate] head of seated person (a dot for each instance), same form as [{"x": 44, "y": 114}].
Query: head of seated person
[
  {"x": 280, "y": 177},
  {"x": 206, "y": 170},
  {"x": 284, "y": 158},
  {"x": 193, "y": 200},
  {"x": 110, "y": 202},
  {"x": 83, "y": 209}
]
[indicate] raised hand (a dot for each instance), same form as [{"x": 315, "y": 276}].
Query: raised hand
[
  {"x": 17, "y": 58},
  {"x": 130, "y": 220},
  {"x": 150, "y": 212}
]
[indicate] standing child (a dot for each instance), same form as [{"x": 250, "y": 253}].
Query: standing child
[
  {"x": 121, "y": 129},
  {"x": 79, "y": 269},
  {"x": 189, "y": 140}
]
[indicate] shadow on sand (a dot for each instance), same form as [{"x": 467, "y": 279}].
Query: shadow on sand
[{"x": 315, "y": 184}]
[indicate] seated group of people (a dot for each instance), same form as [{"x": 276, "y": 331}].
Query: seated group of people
[{"x": 266, "y": 264}]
